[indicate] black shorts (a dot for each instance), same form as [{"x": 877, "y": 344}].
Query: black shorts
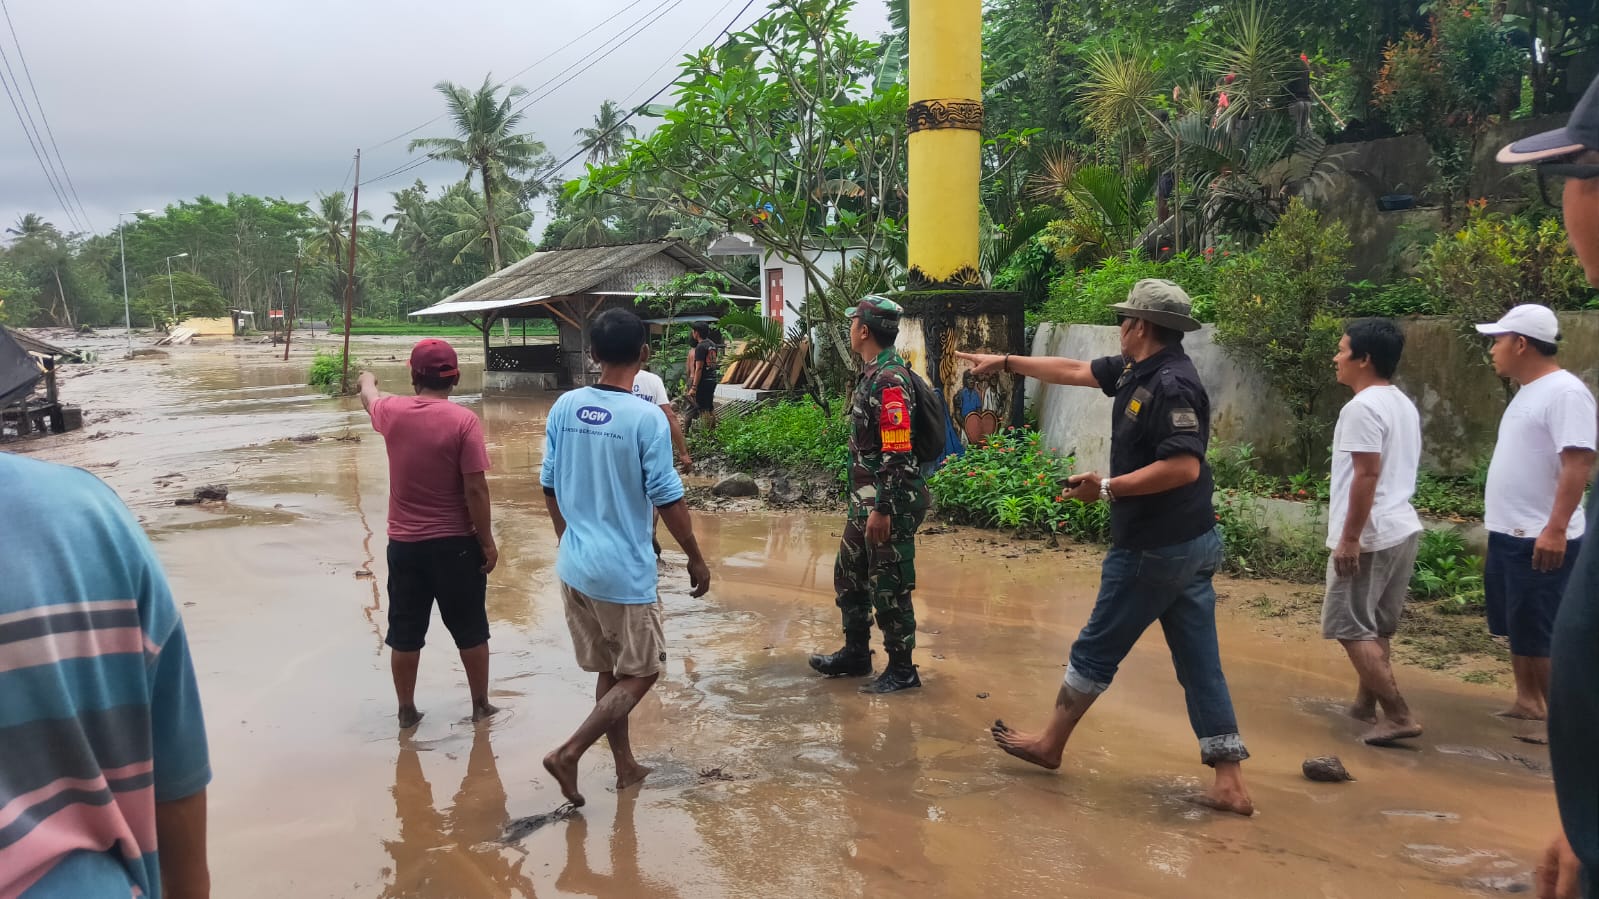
[
  {"x": 1522, "y": 602},
  {"x": 448, "y": 569},
  {"x": 705, "y": 394}
]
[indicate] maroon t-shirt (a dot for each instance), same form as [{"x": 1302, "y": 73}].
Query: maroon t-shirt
[{"x": 432, "y": 445}]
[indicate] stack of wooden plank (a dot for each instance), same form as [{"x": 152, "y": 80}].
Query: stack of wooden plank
[{"x": 779, "y": 372}]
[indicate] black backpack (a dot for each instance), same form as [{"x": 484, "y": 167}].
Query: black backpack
[{"x": 930, "y": 423}]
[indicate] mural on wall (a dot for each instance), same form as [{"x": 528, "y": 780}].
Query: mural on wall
[
  {"x": 978, "y": 404},
  {"x": 935, "y": 327}
]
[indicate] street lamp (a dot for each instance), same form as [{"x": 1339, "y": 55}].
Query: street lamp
[
  {"x": 122, "y": 247},
  {"x": 170, "y": 293}
]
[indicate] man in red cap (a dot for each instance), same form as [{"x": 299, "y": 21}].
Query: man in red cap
[{"x": 441, "y": 546}]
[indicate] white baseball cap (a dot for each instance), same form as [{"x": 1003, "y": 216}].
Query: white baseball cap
[{"x": 1528, "y": 320}]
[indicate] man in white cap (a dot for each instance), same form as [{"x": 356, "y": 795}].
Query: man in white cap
[
  {"x": 1533, "y": 506},
  {"x": 1567, "y": 161}
]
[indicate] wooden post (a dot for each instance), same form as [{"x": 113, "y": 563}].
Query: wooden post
[
  {"x": 349, "y": 284},
  {"x": 294, "y": 306}
]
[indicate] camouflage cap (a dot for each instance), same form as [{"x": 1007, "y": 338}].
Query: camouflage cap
[
  {"x": 1159, "y": 302},
  {"x": 879, "y": 312}
]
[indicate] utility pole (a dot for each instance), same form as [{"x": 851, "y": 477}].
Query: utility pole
[
  {"x": 349, "y": 283},
  {"x": 294, "y": 302}
]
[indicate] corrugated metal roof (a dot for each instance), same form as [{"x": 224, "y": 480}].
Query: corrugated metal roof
[
  {"x": 35, "y": 345},
  {"x": 554, "y": 274}
]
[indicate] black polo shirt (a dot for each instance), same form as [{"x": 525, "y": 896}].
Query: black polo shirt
[{"x": 1161, "y": 411}]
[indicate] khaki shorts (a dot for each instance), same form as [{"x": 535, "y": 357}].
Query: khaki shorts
[
  {"x": 615, "y": 638},
  {"x": 1368, "y": 604}
]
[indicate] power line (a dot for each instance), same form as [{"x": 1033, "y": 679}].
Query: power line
[
  {"x": 639, "y": 28},
  {"x": 43, "y": 166},
  {"x": 46, "y": 119},
  {"x": 524, "y": 70}
]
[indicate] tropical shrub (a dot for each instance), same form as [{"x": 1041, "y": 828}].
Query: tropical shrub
[
  {"x": 1446, "y": 571},
  {"x": 1496, "y": 261},
  {"x": 1272, "y": 314},
  {"x": 1014, "y": 482},
  {"x": 790, "y": 434},
  {"x": 1087, "y": 297},
  {"x": 326, "y": 368}
]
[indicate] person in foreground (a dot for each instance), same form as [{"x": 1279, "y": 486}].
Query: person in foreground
[
  {"x": 1532, "y": 504},
  {"x": 441, "y": 543},
  {"x": 888, "y": 498},
  {"x": 607, "y": 463},
  {"x": 1372, "y": 529},
  {"x": 103, "y": 758},
  {"x": 1567, "y": 161},
  {"x": 1165, "y": 546}
]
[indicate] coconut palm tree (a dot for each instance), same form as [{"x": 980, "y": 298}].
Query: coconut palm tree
[
  {"x": 470, "y": 232},
  {"x": 331, "y": 223},
  {"x": 487, "y": 143},
  {"x": 609, "y": 135}
]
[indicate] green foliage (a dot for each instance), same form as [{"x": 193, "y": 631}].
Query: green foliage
[
  {"x": 191, "y": 294},
  {"x": 789, "y": 434},
  {"x": 1252, "y": 550},
  {"x": 1406, "y": 296},
  {"x": 1446, "y": 571},
  {"x": 326, "y": 368},
  {"x": 1086, "y": 298},
  {"x": 1272, "y": 314},
  {"x": 1495, "y": 261},
  {"x": 16, "y": 297},
  {"x": 1458, "y": 496},
  {"x": 1236, "y": 467},
  {"x": 782, "y": 132},
  {"x": 1444, "y": 85},
  {"x": 1106, "y": 211},
  {"x": 1014, "y": 482}
]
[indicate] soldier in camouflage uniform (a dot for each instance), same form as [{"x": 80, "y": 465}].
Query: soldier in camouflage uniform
[{"x": 876, "y": 567}]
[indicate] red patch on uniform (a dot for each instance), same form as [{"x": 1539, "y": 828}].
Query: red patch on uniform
[{"x": 894, "y": 423}]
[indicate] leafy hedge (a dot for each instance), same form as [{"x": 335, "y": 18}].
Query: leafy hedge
[
  {"x": 1086, "y": 298},
  {"x": 793, "y": 433}
]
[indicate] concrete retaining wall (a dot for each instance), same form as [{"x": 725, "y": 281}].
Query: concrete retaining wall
[{"x": 1459, "y": 396}]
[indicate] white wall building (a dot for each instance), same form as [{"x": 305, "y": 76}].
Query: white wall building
[{"x": 784, "y": 287}]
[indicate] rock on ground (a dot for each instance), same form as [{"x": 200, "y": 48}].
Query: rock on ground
[
  {"x": 1326, "y": 769},
  {"x": 736, "y": 485},
  {"x": 784, "y": 492}
]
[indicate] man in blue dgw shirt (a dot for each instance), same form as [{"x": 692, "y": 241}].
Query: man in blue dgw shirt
[{"x": 607, "y": 468}]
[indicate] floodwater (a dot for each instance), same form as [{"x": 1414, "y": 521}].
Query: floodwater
[{"x": 770, "y": 782}]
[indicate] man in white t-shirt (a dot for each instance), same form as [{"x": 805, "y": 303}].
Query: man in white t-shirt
[
  {"x": 649, "y": 387},
  {"x": 1533, "y": 502},
  {"x": 1372, "y": 529}
]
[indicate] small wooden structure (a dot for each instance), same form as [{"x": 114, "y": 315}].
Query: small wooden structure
[
  {"x": 568, "y": 287},
  {"x": 24, "y": 362}
]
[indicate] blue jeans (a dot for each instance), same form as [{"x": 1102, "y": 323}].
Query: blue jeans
[{"x": 1171, "y": 585}]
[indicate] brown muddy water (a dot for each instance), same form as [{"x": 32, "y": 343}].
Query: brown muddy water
[{"x": 821, "y": 791}]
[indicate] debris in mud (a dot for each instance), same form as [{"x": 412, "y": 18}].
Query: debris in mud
[
  {"x": 736, "y": 485},
  {"x": 982, "y": 696},
  {"x": 520, "y": 828},
  {"x": 1490, "y": 755},
  {"x": 364, "y": 573},
  {"x": 936, "y": 529},
  {"x": 1536, "y": 739},
  {"x": 305, "y": 438},
  {"x": 784, "y": 492},
  {"x": 171, "y": 476},
  {"x": 101, "y": 435},
  {"x": 1325, "y": 769},
  {"x": 348, "y": 437},
  {"x": 210, "y": 493},
  {"x": 720, "y": 773}
]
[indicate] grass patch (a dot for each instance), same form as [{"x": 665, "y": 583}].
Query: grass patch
[
  {"x": 792, "y": 434},
  {"x": 326, "y": 367}
]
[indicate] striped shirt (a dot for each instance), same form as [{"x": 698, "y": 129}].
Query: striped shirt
[{"x": 99, "y": 710}]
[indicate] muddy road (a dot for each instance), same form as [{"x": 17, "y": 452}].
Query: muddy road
[{"x": 769, "y": 781}]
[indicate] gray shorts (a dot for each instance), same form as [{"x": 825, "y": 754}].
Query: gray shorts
[{"x": 1368, "y": 604}]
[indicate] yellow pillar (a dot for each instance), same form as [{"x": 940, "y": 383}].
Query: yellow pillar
[{"x": 945, "y": 124}]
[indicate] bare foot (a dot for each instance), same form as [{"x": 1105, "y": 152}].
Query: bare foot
[
  {"x": 1366, "y": 713},
  {"x": 1024, "y": 746},
  {"x": 409, "y": 717},
  {"x": 483, "y": 710},
  {"x": 1389, "y": 732},
  {"x": 1522, "y": 713},
  {"x": 627, "y": 776},
  {"x": 1225, "y": 800},
  {"x": 565, "y": 773}
]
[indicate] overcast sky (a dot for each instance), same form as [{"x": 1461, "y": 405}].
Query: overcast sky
[{"x": 157, "y": 101}]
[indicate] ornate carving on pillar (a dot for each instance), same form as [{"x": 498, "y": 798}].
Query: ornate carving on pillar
[{"x": 930, "y": 115}]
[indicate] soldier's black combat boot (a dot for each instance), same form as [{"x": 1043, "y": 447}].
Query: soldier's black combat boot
[
  {"x": 853, "y": 660},
  {"x": 899, "y": 675}
]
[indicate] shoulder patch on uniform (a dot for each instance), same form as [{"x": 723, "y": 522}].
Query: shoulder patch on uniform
[
  {"x": 1184, "y": 420},
  {"x": 894, "y": 422}
]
